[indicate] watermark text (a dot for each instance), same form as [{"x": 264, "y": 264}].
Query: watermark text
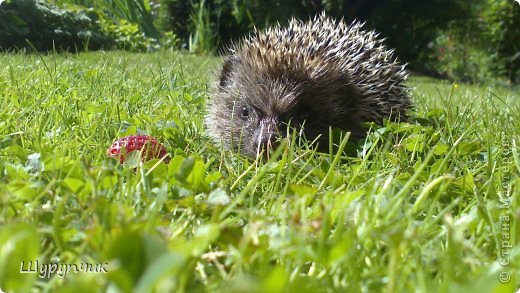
[{"x": 46, "y": 270}]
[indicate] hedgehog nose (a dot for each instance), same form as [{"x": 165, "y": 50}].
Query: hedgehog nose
[
  {"x": 265, "y": 141},
  {"x": 266, "y": 135}
]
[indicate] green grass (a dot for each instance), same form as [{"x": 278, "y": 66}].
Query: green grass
[{"x": 429, "y": 205}]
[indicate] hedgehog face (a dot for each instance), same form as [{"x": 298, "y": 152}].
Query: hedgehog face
[
  {"x": 256, "y": 123},
  {"x": 252, "y": 112},
  {"x": 257, "y": 108},
  {"x": 253, "y": 131}
]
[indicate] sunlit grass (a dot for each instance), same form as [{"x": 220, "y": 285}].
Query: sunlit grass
[{"x": 418, "y": 206}]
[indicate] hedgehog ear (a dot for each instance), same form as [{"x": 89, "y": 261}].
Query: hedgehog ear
[{"x": 228, "y": 66}]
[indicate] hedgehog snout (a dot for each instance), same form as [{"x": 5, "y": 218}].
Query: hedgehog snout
[{"x": 266, "y": 135}]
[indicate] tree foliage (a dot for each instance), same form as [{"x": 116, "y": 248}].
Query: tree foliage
[
  {"x": 35, "y": 24},
  {"x": 41, "y": 26},
  {"x": 502, "y": 20}
]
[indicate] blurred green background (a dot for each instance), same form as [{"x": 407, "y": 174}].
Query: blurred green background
[{"x": 464, "y": 40}]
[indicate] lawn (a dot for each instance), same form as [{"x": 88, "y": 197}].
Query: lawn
[{"x": 428, "y": 205}]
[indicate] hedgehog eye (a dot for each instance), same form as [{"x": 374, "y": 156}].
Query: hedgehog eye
[{"x": 245, "y": 112}]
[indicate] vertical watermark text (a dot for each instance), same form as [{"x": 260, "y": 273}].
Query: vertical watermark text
[{"x": 505, "y": 229}]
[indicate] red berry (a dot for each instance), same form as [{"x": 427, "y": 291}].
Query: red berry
[{"x": 149, "y": 146}]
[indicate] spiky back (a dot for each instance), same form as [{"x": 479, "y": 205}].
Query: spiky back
[{"x": 323, "y": 49}]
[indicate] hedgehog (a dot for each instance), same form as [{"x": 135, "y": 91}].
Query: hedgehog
[{"x": 309, "y": 77}]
